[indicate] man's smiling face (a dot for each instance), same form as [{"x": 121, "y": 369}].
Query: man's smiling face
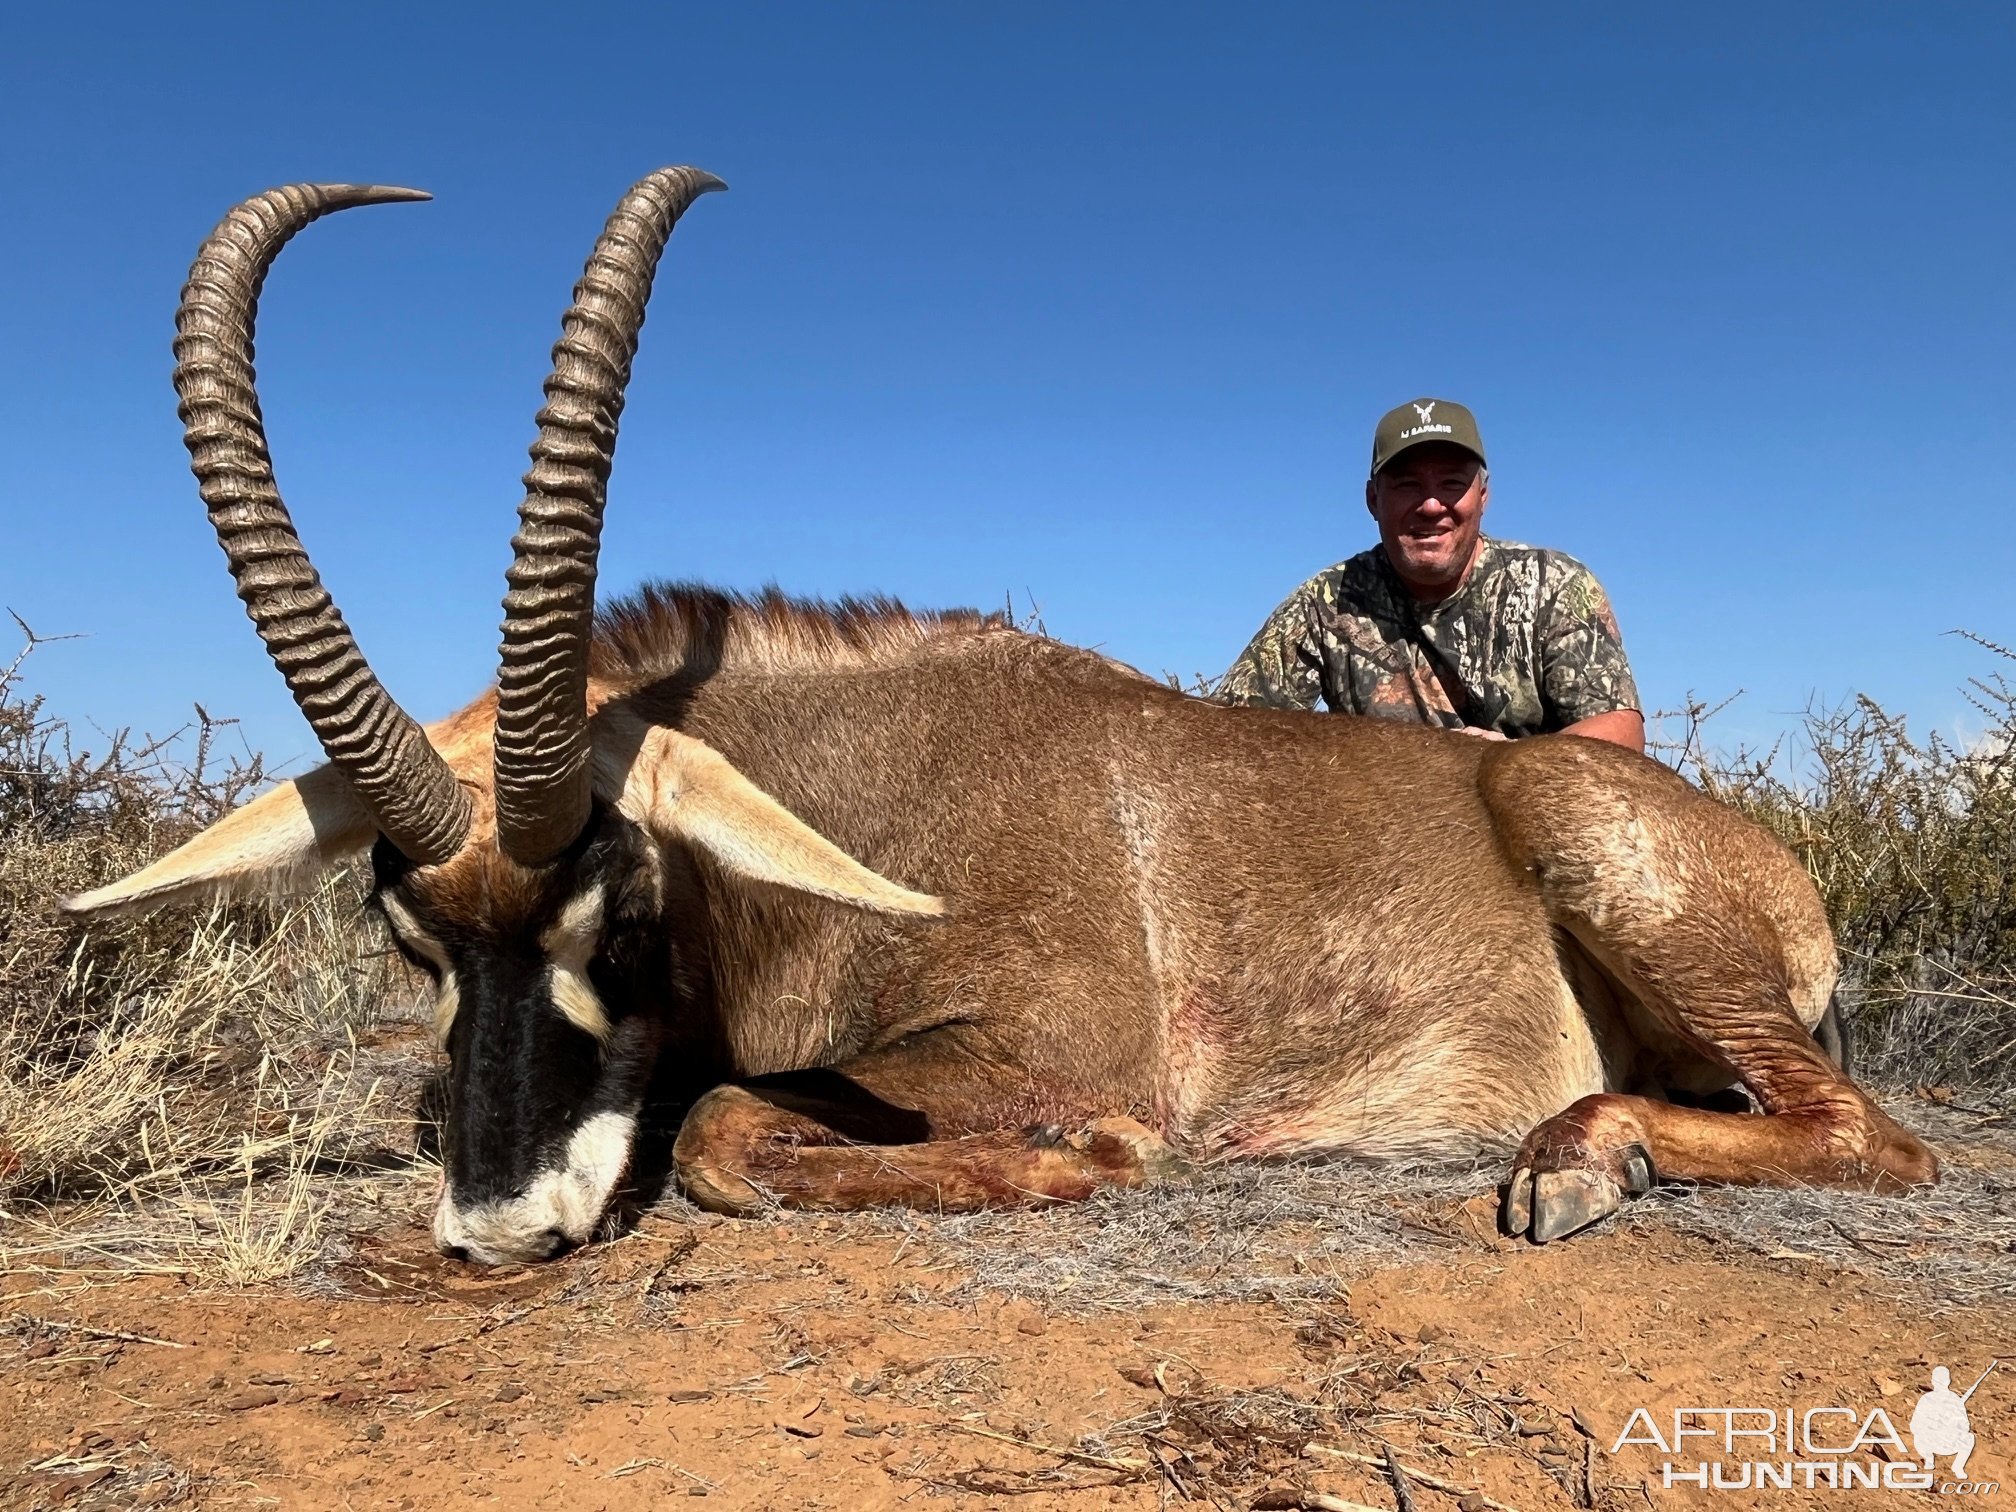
[{"x": 1429, "y": 502}]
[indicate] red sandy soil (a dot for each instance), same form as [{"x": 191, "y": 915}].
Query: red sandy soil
[{"x": 803, "y": 1365}]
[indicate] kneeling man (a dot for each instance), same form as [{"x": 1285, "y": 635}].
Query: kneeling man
[{"x": 1439, "y": 623}]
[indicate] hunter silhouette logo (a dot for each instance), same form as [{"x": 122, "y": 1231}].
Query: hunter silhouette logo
[
  {"x": 1426, "y": 411},
  {"x": 1939, "y": 1421},
  {"x": 1809, "y": 1446}
]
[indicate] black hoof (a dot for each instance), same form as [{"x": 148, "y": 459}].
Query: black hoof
[{"x": 1549, "y": 1205}]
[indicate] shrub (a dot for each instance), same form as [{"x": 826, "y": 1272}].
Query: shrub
[
  {"x": 149, "y": 1058},
  {"x": 1913, "y": 846}
]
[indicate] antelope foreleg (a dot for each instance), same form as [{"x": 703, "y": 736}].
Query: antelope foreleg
[{"x": 744, "y": 1150}]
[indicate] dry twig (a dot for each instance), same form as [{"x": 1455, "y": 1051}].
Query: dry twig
[
  {"x": 1434, "y": 1482},
  {"x": 95, "y": 1333}
]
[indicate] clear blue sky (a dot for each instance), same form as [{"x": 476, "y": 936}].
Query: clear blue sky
[{"x": 1091, "y": 303}]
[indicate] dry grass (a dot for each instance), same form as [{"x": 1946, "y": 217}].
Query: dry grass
[
  {"x": 1242, "y": 1231},
  {"x": 173, "y": 1084},
  {"x": 1297, "y": 1234},
  {"x": 1949, "y": 1245}
]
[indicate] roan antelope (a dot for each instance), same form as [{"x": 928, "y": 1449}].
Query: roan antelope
[{"x": 1145, "y": 929}]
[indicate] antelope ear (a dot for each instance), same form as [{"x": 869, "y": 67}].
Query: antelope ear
[
  {"x": 679, "y": 787},
  {"x": 279, "y": 842}
]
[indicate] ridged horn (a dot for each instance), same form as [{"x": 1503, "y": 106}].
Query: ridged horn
[
  {"x": 410, "y": 793},
  {"x": 541, "y": 762}
]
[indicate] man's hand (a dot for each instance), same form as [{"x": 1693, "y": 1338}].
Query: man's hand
[{"x": 1624, "y": 727}]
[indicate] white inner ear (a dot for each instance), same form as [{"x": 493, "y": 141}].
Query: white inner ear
[
  {"x": 679, "y": 787},
  {"x": 280, "y": 842}
]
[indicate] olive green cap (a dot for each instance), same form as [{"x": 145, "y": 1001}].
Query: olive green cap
[{"x": 1422, "y": 421}]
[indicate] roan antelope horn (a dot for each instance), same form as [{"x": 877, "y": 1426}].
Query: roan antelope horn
[
  {"x": 542, "y": 757},
  {"x": 411, "y": 795}
]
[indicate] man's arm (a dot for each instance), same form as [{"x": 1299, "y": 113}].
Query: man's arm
[
  {"x": 1279, "y": 669},
  {"x": 1585, "y": 679},
  {"x": 1624, "y": 727}
]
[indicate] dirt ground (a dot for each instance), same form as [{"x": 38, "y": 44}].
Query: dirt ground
[{"x": 1260, "y": 1356}]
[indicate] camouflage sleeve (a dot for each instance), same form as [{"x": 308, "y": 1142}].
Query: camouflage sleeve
[
  {"x": 1582, "y": 666},
  {"x": 1279, "y": 669}
]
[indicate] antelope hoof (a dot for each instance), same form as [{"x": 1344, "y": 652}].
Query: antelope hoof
[
  {"x": 1516, "y": 1214},
  {"x": 1639, "y": 1177},
  {"x": 1546, "y": 1205},
  {"x": 718, "y": 1191},
  {"x": 1138, "y": 1151},
  {"x": 1565, "y": 1202},
  {"x": 1549, "y": 1205}
]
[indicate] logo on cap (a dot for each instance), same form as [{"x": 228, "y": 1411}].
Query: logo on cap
[{"x": 1421, "y": 420}]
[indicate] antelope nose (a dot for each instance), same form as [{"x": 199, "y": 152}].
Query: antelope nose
[{"x": 543, "y": 1244}]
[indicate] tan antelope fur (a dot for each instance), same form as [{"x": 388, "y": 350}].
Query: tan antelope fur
[{"x": 926, "y": 910}]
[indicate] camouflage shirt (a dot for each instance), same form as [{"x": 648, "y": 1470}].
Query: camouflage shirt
[{"x": 1526, "y": 646}]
